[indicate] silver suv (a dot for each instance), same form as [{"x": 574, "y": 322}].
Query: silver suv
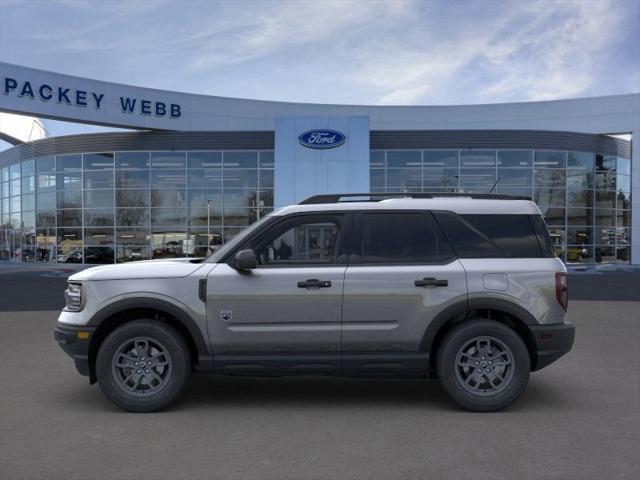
[{"x": 462, "y": 287}]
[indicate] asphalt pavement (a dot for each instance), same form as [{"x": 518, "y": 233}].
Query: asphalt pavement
[{"x": 578, "y": 419}]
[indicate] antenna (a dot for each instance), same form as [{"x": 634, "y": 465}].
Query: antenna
[{"x": 494, "y": 185}]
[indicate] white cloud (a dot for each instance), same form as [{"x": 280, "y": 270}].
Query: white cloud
[
  {"x": 386, "y": 52},
  {"x": 532, "y": 51},
  {"x": 552, "y": 55},
  {"x": 268, "y": 31},
  {"x": 404, "y": 95}
]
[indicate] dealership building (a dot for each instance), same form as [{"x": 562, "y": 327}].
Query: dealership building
[{"x": 194, "y": 170}]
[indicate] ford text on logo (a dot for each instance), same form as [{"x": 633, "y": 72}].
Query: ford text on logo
[{"x": 322, "y": 139}]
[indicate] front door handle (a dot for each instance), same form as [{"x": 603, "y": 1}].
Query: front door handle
[
  {"x": 314, "y": 283},
  {"x": 431, "y": 282}
]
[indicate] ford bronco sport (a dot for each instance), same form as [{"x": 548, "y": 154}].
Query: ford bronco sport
[{"x": 463, "y": 287}]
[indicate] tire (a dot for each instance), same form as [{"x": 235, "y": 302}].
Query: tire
[
  {"x": 483, "y": 365},
  {"x": 128, "y": 379}
]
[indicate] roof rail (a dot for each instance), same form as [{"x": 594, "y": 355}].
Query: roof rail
[{"x": 377, "y": 197}]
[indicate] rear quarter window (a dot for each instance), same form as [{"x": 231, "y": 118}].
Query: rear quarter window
[{"x": 491, "y": 236}]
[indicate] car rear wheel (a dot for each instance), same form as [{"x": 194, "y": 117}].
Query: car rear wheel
[
  {"x": 143, "y": 365},
  {"x": 483, "y": 365}
]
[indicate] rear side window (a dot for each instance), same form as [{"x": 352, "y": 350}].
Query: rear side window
[
  {"x": 544, "y": 239},
  {"x": 467, "y": 242},
  {"x": 399, "y": 237},
  {"x": 491, "y": 236}
]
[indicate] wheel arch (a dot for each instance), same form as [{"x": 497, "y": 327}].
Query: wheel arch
[
  {"x": 509, "y": 313},
  {"x": 123, "y": 311}
]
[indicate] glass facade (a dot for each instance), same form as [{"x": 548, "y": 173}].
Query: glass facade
[
  {"x": 584, "y": 197},
  {"x": 108, "y": 207},
  {"x": 111, "y": 207}
]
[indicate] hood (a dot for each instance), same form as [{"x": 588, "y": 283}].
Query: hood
[{"x": 163, "y": 268}]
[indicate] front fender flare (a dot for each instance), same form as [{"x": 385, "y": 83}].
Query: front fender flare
[{"x": 205, "y": 359}]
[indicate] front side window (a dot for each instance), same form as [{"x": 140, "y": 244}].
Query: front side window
[
  {"x": 239, "y": 238},
  {"x": 302, "y": 241},
  {"x": 396, "y": 238}
]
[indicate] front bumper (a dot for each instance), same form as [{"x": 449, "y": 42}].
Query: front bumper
[
  {"x": 552, "y": 342},
  {"x": 74, "y": 340}
]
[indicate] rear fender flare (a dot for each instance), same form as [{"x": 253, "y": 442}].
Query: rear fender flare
[{"x": 463, "y": 307}]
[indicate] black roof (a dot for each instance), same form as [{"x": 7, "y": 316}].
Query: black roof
[{"x": 376, "y": 197}]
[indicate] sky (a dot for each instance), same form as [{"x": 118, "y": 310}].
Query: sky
[{"x": 395, "y": 52}]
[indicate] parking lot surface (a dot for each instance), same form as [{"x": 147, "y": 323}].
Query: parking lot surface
[{"x": 578, "y": 418}]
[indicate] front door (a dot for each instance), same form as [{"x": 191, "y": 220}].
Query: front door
[
  {"x": 401, "y": 274},
  {"x": 285, "y": 314}
]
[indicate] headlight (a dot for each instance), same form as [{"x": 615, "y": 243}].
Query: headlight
[{"x": 73, "y": 297}]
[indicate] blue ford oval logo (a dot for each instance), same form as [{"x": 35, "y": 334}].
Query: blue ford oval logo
[{"x": 322, "y": 138}]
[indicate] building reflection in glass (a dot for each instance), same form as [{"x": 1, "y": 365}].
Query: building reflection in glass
[{"x": 584, "y": 197}]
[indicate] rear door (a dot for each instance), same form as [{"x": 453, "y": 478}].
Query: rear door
[{"x": 401, "y": 274}]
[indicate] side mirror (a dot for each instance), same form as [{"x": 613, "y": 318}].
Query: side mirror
[{"x": 245, "y": 260}]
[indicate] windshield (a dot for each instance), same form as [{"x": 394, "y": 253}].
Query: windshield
[{"x": 239, "y": 238}]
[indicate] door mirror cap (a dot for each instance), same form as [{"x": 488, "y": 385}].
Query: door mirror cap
[{"x": 245, "y": 260}]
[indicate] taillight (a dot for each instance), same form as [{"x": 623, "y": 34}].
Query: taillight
[{"x": 562, "y": 289}]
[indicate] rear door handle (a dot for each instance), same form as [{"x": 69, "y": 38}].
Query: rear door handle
[
  {"x": 431, "y": 282},
  {"x": 314, "y": 283}
]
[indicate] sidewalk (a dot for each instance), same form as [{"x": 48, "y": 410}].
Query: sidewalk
[
  {"x": 55, "y": 268},
  {"x": 601, "y": 269}
]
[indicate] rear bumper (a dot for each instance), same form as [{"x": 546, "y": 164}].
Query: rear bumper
[
  {"x": 74, "y": 340},
  {"x": 552, "y": 342}
]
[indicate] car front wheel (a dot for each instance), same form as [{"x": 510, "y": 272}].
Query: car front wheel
[
  {"x": 143, "y": 365},
  {"x": 483, "y": 365}
]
